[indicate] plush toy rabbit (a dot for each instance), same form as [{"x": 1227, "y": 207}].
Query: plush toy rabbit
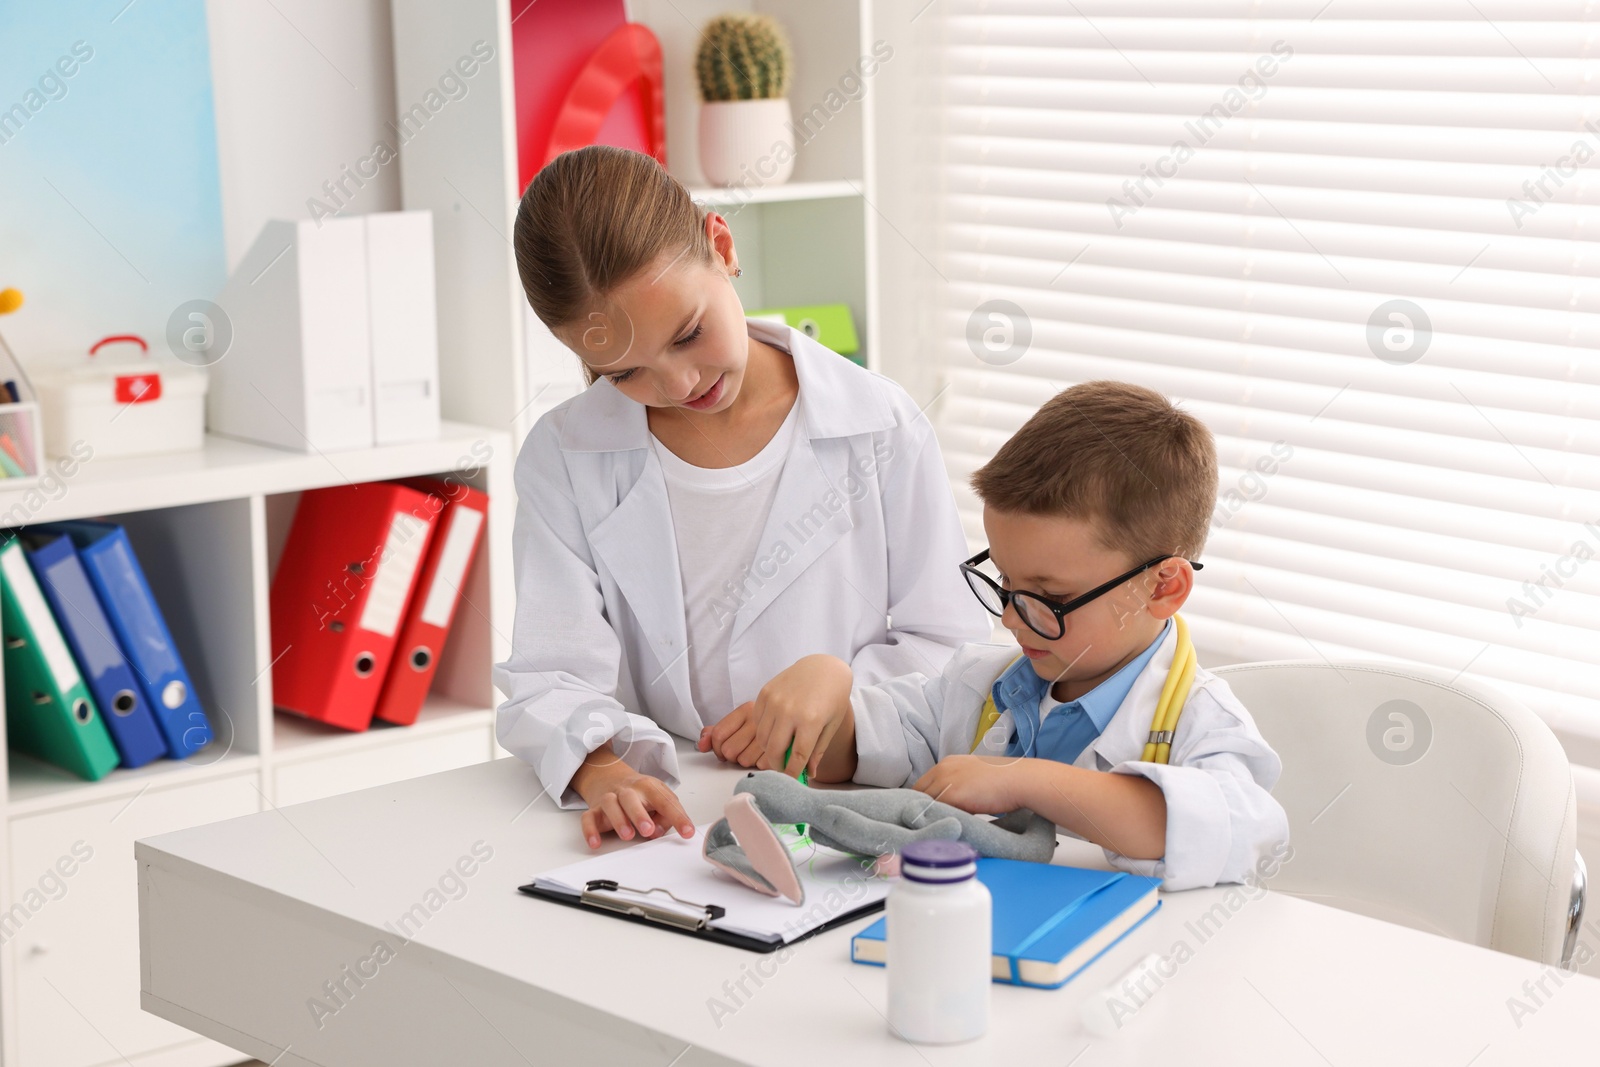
[{"x": 865, "y": 822}]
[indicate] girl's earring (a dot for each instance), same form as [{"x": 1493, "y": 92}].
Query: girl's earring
[{"x": 738, "y": 271}]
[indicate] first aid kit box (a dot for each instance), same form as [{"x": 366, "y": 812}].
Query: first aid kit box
[{"x": 121, "y": 406}]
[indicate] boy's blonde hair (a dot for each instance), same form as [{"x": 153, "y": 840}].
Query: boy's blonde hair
[
  {"x": 590, "y": 220},
  {"x": 1119, "y": 455}
]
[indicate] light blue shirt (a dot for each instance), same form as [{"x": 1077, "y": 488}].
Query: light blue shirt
[{"x": 1070, "y": 728}]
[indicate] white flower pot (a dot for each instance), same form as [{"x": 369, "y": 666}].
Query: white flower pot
[{"x": 747, "y": 143}]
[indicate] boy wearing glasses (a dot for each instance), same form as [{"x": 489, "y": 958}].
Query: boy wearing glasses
[{"x": 1092, "y": 510}]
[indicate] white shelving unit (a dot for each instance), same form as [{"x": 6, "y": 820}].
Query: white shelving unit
[
  {"x": 207, "y": 527},
  {"x": 843, "y": 229},
  {"x": 720, "y": 198}
]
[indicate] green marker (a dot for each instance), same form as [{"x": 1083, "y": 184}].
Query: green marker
[
  {"x": 789, "y": 752},
  {"x": 800, "y": 827}
]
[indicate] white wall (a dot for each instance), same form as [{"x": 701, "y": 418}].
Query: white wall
[{"x": 303, "y": 89}]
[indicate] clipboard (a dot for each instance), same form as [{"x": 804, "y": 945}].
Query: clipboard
[{"x": 597, "y": 897}]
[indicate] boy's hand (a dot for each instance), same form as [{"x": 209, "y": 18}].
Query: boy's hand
[
  {"x": 626, "y": 801},
  {"x": 982, "y": 785}
]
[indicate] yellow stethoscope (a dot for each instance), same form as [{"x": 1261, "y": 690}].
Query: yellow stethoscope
[{"x": 1163, "y": 725}]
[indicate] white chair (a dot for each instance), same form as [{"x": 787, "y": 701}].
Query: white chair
[{"x": 1416, "y": 798}]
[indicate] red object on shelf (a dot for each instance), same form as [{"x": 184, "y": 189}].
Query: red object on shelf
[
  {"x": 629, "y": 59},
  {"x": 339, "y": 595},
  {"x": 120, "y": 338},
  {"x": 457, "y": 532},
  {"x": 131, "y": 388},
  {"x": 583, "y": 75},
  {"x": 137, "y": 388}
]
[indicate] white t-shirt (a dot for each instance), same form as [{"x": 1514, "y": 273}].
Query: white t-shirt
[{"x": 718, "y": 516}]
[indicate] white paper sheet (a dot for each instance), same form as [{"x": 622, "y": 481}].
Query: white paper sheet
[{"x": 835, "y": 883}]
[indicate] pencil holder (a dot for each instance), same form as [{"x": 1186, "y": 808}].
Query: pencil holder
[{"x": 21, "y": 443}]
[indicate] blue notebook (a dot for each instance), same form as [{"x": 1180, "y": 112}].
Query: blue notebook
[
  {"x": 141, "y": 629},
  {"x": 116, "y": 690},
  {"x": 1050, "y": 922}
]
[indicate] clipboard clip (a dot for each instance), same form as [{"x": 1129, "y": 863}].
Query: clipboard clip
[{"x": 597, "y": 893}]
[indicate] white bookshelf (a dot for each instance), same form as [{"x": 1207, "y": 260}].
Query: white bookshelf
[
  {"x": 843, "y": 230},
  {"x": 722, "y": 198},
  {"x": 207, "y": 527}
]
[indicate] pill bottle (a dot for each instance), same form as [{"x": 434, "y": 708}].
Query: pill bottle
[{"x": 939, "y": 945}]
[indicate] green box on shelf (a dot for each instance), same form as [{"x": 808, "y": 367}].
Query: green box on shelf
[{"x": 829, "y": 324}]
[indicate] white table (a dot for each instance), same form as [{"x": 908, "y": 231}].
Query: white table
[{"x": 242, "y": 922}]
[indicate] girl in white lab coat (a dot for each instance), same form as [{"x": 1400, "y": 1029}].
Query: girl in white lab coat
[{"x": 726, "y": 497}]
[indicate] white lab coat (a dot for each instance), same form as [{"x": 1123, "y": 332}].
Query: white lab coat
[
  {"x": 858, "y": 559},
  {"x": 1221, "y": 817}
]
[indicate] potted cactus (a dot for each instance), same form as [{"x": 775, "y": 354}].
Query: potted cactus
[{"x": 743, "y": 66}]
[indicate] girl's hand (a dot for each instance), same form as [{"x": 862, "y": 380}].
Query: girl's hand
[
  {"x": 732, "y": 735},
  {"x": 625, "y": 801},
  {"x": 803, "y": 707},
  {"x": 982, "y": 785}
]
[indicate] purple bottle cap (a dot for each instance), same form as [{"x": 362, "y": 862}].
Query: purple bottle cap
[{"x": 938, "y": 861}]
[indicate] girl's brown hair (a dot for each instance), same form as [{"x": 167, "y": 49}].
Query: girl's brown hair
[{"x": 590, "y": 220}]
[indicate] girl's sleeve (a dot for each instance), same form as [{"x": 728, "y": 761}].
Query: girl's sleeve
[
  {"x": 931, "y": 611},
  {"x": 560, "y": 681}
]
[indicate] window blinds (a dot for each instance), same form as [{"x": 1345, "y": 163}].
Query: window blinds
[{"x": 1357, "y": 240}]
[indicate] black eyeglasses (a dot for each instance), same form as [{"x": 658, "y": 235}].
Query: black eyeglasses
[{"x": 1043, "y": 616}]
